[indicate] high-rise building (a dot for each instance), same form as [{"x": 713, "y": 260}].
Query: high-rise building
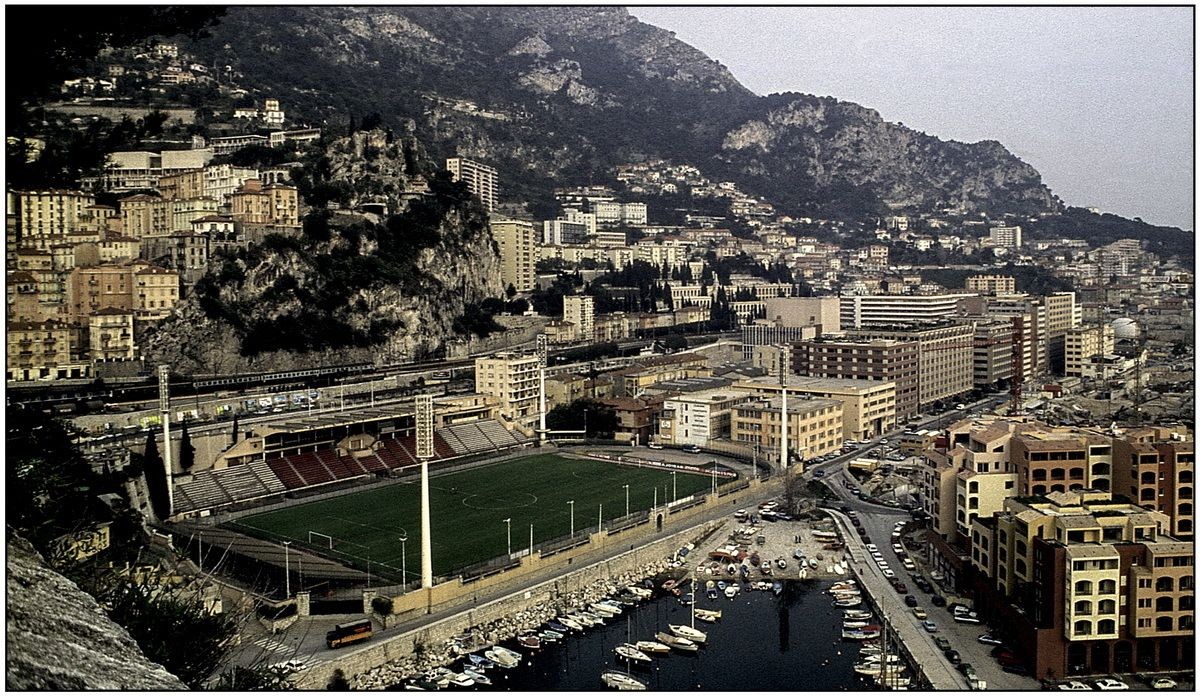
[
  {"x": 1155, "y": 467},
  {"x": 48, "y": 214},
  {"x": 517, "y": 240},
  {"x": 513, "y": 379},
  {"x": 1085, "y": 343},
  {"x": 581, "y": 310},
  {"x": 1082, "y": 583},
  {"x": 1008, "y": 236},
  {"x": 879, "y": 359},
  {"x": 946, "y": 355},
  {"x": 860, "y": 311},
  {"x": 480, "y": 179}
]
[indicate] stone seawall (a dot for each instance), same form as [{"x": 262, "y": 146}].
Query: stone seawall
[{"x": 373, "y": 655}]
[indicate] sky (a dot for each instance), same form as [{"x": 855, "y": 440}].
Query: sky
[{"x": 1098, "y": 99}]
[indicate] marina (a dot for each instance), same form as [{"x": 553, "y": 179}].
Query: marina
[{"x": 793, "y": 639}]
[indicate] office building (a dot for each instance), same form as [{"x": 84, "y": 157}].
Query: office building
[{"x": 859, "y": 311}]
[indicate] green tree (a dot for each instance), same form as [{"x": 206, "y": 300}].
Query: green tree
[
  {"x": 599, "y": 420},
  {"x": 156, "y": 478},
  {"x": 187, "y": 451}
]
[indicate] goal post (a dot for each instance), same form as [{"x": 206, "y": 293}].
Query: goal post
[{"x": 314, "y": 533}]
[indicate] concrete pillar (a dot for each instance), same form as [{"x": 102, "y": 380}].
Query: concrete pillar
[
  {"x": 368, "y": 596},
  {"x": 426, "y": 542},
  {"x": 302, "y": 604}
]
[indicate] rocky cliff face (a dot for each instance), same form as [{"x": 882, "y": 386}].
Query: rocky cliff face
[
  {"x": 58, "y": 637},
  {"x": 559, "y": 95},
  {"x": 353, "y": 287}
]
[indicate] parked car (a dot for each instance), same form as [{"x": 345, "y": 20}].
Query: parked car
[
  {"x": 953, "y": 657},
  {"x": 930, "y": 626},
  {"x": 966, "y": 669},
  {"x": 1109, "y": 684},
  {"x": 888, "y": 573},
  {"x": 967, "y": 619},
  {"x": 819, "y": 473},
  {"x": 938, "y": 601},
  {"x": 655, "y": 446},
  {"x": 691, "y": 449},
  {"x": 1015, "y": 668},
  {"x": 1164, "y": 684},
  {"x": 910, "y": 600},
  {"x": 1074, "y": 685},
  {"x": 901, "y": 588},
  {"x": 991, "y": 640},
  {"x": 919, "y": 613}
]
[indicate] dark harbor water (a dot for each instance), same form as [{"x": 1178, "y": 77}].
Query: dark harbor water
[{"x": 762, "y": 642}]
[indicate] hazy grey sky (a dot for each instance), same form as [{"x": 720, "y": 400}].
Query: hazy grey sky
[{"x": 1099, "y": 100}]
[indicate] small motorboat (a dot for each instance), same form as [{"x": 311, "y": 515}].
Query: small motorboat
[
  {"x": 670, "y": 583},
  {"x": 549, "y": 636},
  {"x": 620, "y": 681},
  {"x": 856, "y": 615},
  {"x": 713, "y": 594},
  {"x": 848, "y": 602},
  {"x": 731, "y": 591},
  {"x": 570, "y": 623},
  {"x": 813, "y": 563},
  {"x": 732, "y": 569},
  {"x": 601, "y": 611},
  {"x": 676, "y": 642},
  {"x": 632, "y": 653},
  {"x": 503, "y": 660},
  {"x": 868, "y": 668},
  {"x": 854, "y": 624},
  {"x": 710, "y": 584},
  {"x": 652, "y": 647},
  {"x": 459, "y": 679},
  {"x": 627, "y": 599},
  {"x": 529, "y": 641},
  {"x": 682, "y": 630},
  {"x": 721, "y": 585},
  {"x": 640, "y": 592},
  {"x": 765, "y": 568},
  {"x": 481, "y": 662},
  {"x": 593, "y": 618},
  {"x": 479, "y": 678},
  {"x": 777, "y": 588},
  {"x": 612, "y": 607},
  {"x": 708, "y": 615},
  {"x": 558, "y": 627},
  {"x": 781, "y": 563},
  {"x": 581, "y": 620}
]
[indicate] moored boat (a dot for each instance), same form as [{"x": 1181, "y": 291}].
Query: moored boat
[
  {"x": 529, "y": 641},
  {"x": 676, "y": 642},
  {"x": 549, "y": 636},
  {"x": 620, "y": 681},
  {"x": 686, "y": 632},
  {"x": 594, "y": 619},
  {"x": 777, "y": 588},
  {"x": 632, "y": 653},
  {"x": 847, "y": 602},
  {"x": 501, "y": 659},
  {"x": 731, "y": 591},
  {"x": 481, "y": 662},
  {"x": 708, "y": 615},
  {"x": 652, "y": 647},
  {"x": 477, "y": 676}
]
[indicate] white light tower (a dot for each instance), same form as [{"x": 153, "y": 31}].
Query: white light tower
[
  {"x": 783, "y": 415},
  {"x": 542, "y": 354},
  {"x": 425, "y": 453},
  {"x": 164, "y": 406}
]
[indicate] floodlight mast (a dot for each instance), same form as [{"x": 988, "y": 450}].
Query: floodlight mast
[{"x": 425, "y": 453}]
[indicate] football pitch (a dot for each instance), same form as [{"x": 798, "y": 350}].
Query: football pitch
[{"x": 468, "y": 510}]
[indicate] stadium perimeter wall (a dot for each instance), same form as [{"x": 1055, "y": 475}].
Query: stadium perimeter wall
[{"x": 413, "y": 605}]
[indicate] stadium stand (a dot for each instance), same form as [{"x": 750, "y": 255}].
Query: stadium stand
[{"x": 215, "y": 488}]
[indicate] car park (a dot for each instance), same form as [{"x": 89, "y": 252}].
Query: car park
[
  {"x": 1109, "y": 684},
  {"x": 919, "y": 613},
  {"x": 929, "y": 626}
]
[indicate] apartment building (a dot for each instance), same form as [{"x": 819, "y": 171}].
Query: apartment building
[
  {"x": 517, "y": 240},
  {"x": 1056, "y": 459},
  {"x": 513, "y": 379},
  {"x": 481, "y": 180},
  {"x": 868, "y": 406},
  {"x": 135, "y": 170},
  {"x": 992, "y": 284},
  {"x": 150, "y": 292},
  {"x": 274, "y": 204},
  {"x": 634, "y": 380},
  {"x": 1083, "y": 344},
  {"x": 1155, "y": 467},
  {"x": 581, "y": 311},
  {"x": 145, "y": 216},
  {"x": 993, "y": 350},
  {"x": 814, "y": 427},
  {"x": 882, "y": 360},
  {"x": 47, "y": 215},
  {"x": 1085, "y": 584},
  {"x": 1007, "y": 236},
  {"x": 695, "y": 418},
  {"x": 40, "y": 351},
  {"x": 859, "y": 311},
  {"x": 945, "y": 366},
  {"x": 110, "y": 336}
]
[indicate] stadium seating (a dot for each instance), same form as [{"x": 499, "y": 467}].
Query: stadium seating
[
  {"x": 310, "y": 468},
  {"x": 452, "y": 439},
  {"x": 268, "y": 478},
  {"x": 286, "y": 473},
  {"x": 441, "y": 448}
]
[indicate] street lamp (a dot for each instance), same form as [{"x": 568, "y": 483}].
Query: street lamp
[
  {"x": 508, "y": 525},
  {"x": 572, "y": 504},
  {"x": 626, "y": 500},
  {"x": 404, "y": 562},
  {"x": 287, "y": 570},
  {"x": 674, "y": 489}
]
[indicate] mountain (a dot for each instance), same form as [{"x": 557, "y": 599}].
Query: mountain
[
  {"x": 351, "y": 287},
  {"x": 559, "y": 95}
]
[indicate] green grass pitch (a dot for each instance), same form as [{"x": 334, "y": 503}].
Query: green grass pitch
[{"x": 468, "y": 511}]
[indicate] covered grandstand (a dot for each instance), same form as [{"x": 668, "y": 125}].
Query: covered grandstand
[{"x": 315, "y": 451}]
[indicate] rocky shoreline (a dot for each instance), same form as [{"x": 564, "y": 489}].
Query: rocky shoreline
[{"x": 491, "y": 633}]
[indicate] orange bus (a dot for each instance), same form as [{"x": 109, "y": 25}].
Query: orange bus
[{"x": 348, "y": 633}]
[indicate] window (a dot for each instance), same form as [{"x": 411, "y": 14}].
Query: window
[
  {"x": 1083, "y": 607},
  {"x": 1166, "y": 583},
  {"x": 1107, "y": 607},
  {"x": 1106, "y": 627},
  {"x": 1164, "y": 604},
  {"x": 1083, "y": 587},
  {"x": 1163, "y": 624},
  {"x": 1083, "y": 627},
  {"x": 1108, "y": 587},
  {"x": 1185, "y": 492}
]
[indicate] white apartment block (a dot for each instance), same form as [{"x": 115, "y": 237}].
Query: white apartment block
[
  {"x": 581, "y": 311},
  {"x": 480, "y": 179},
  {"x": 513, "y": 379},
  {"x": 861, "y": 311},
  {"x": 517, "y": 240},
  {"x": 1007, "y": 236}
]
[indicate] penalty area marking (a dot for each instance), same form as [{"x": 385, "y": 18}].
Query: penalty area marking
[{"x": 501, "y": 504}]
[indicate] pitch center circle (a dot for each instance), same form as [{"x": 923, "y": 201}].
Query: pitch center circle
[{"x": 492, "y": 503}]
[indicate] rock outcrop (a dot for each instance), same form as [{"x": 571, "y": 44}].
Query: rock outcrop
[{"x": 59, "y": 638}]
